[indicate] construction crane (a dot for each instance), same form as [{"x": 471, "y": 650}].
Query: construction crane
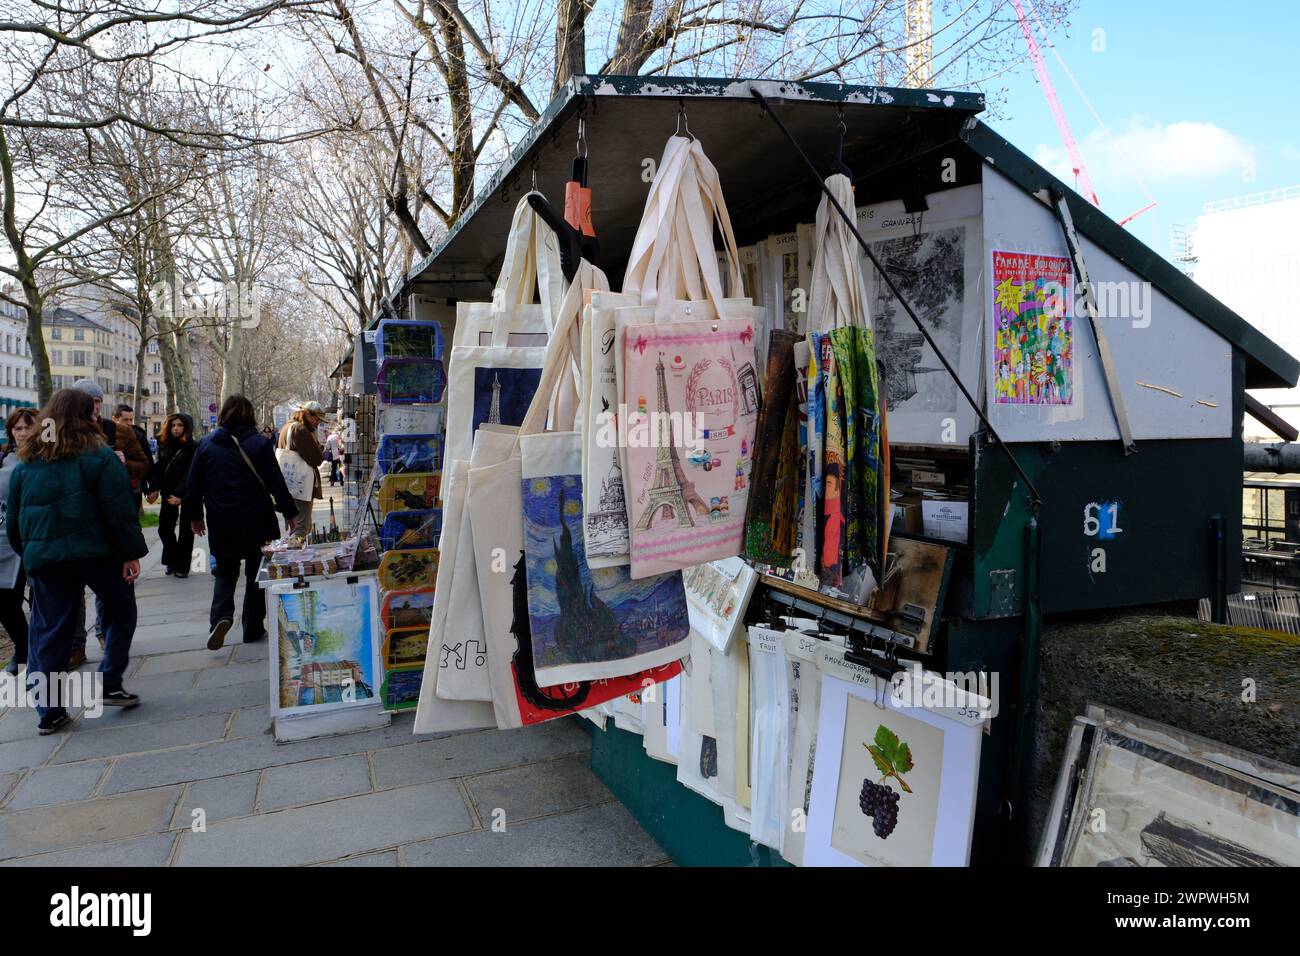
[
  {"x": 920, "y": 66},
  {"x": 1054, "y": 103}
]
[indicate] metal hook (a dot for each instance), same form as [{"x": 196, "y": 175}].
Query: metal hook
[
  {"x": 532, "y": 165},
  {"x": 682, "y": 120},
  {"x": 582, "y": 138}
]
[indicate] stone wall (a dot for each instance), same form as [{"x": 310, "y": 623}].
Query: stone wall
[{"x": 1180, "y": 671}]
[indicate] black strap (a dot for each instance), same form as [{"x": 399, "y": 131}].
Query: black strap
[{"x": 248, "y": 461}]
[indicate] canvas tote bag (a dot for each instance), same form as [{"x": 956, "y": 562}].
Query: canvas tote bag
[
  {"x": 686, "y": 474},
  {"x": 532, "y": 260},
  {"x": 853, "y": 515},
  {"x": 496, "y": 511},
  {"x": 584, "y": 625},
  {"x": 434, "y": 714},
  {"x": 494, "y": 382},
  {"x": 462, "y": 646}
]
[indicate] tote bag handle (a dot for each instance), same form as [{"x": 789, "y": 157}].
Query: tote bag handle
[
  {"x": 532, "y": 260},
  {"x": 559, "y": 351},
  {"x": 838, "y": 293},
  {"x": 673, "y": 249}
]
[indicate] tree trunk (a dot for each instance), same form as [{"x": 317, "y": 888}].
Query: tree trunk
[
  {"x": 462, "y": 114},
  {"x": 570, "y": 41},
  {"x": 629, "y": 54},
  {"x": 36, "y": 339}
]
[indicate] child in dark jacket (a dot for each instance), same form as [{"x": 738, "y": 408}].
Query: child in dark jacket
[{"x": 71, "y": 515}]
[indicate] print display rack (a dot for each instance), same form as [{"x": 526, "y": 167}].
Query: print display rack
[{"x": 404, "y": 504}]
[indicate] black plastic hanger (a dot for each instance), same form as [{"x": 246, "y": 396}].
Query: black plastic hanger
[{"x": 574, "y": 246}]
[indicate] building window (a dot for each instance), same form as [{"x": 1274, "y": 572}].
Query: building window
[
  {"x": 79, "y": 334},
  {"x": 57, "y": 356},
  {"x": 78, "y": 358},
  {"x": 156, "y": 408},
  {"x": 56, "y": 334},
  {"x": 27, "y": 378}
]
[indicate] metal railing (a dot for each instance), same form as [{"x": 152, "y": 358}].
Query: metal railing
[{"x": 1269, "y": 610}]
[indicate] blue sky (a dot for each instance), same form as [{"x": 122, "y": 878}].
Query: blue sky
[{"x": 1199, "y": 98}]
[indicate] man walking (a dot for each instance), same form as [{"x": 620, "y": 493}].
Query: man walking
[{"x": 125, "y": 415}]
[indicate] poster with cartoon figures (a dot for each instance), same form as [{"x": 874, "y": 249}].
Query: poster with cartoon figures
[{"x": 1033, "y": 329}]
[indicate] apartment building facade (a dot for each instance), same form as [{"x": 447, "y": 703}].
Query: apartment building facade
[{"x": 17, "y": 384}]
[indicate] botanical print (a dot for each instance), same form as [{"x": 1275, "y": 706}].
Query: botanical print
[
  {"x": 1033, "y": 329},
  {"x": 502, "y": 395},
  {"x": 326, "y": 638},
  {"x": 581, "y": 615},
  {"x": 888, "y": 797}
]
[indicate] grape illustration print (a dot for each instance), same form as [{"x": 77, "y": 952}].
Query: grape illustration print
[
  {"x": 878, "y": 800},
  {"x": 887, "y": 797}
]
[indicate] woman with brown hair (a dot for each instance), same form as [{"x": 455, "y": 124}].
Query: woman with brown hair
[
  {"x": 13, "y": 582},
  {"x": 299, "y": 436},
  {"x": 72, "y": 517},
  {"x": 175, "y": 454}
]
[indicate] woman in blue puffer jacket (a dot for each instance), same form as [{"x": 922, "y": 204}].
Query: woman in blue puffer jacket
[{"x": 72, "y": 516}]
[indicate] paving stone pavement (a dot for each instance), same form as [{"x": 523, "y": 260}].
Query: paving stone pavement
[{"x": 127, "y": 787}]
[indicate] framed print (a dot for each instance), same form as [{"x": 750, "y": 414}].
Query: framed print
[
  {"x": 1136, "y": 793},
  {"x": 401, "y": 688},
  {"x": 324, "y": 646},
  {"x": 405, "y": 646},
  {"x": 414, "y": 491},
  {"x": 402, "y": 454},
  {"x": 408, "y": 608},
  {"x": 410, "y": 381},
  {"x": 893, "y": 785},
  {"x": 408, "y": 570}
]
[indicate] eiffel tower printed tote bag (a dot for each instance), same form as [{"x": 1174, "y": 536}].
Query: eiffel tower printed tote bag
[
  {"x": 494, "y": 382},
  {"x": 690, "y": 441}
]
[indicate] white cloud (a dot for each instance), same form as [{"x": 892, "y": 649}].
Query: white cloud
[{"x": 1185, "y": 150}]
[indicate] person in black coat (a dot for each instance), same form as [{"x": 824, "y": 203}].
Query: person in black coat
[
  {"x": 175, "y": 455},
  {"x": 236, "y": 481}
]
